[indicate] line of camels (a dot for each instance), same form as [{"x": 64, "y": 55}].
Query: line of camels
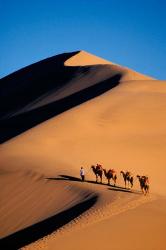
[{"x": 128, "y": 178}]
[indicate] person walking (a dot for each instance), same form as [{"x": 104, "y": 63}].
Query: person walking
[{"x": 82, "y": 174}]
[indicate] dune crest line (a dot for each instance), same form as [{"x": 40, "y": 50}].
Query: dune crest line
[{"x": 43, "y": 228}]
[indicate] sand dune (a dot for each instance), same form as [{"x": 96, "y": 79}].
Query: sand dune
[
  {"x": 47, "y": 88},
  {"x": 121, "y": 125}
]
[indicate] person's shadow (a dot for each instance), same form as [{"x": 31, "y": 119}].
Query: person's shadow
[{"x": 64, "y": 177}]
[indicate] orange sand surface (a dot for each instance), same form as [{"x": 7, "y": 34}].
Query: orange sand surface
[{"x": 44, "y": 205}]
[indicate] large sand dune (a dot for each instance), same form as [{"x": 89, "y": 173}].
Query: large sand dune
[
  {"x": 114, "y": 116},
  {"x": 47, "y": 88}
]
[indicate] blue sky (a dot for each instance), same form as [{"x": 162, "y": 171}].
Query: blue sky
[{"x": 128, "y": 32}]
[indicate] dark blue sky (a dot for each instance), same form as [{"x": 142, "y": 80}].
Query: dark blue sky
[{"x": 128, "y": 32}]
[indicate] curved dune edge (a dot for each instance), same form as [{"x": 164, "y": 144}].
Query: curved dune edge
[
  {"x": 83, "y": 58},
  {"x": 106, "y": 207},
  {"x": 45, "y": 227}
]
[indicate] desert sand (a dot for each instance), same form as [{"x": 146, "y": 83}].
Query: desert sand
[{"x": 81, "y": 110}]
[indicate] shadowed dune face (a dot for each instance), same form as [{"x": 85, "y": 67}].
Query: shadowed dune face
[
  {"x": 85, "y": 83},
  {"x": 27, "y": 84}
]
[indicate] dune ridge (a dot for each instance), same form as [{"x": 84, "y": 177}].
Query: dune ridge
[
  {"x": 103, "y": 209},
  {"x": 83, "y": 58}
]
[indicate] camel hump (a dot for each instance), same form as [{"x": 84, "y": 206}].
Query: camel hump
[
  {"x": 112, "y": 171},
  {"x": 98, "y": 166}
]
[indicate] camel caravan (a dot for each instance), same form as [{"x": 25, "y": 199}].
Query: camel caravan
[{"x": 128, "y": 178}]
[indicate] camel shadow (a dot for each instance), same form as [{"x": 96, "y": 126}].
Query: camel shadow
[
  {"x": 119, "y": 189},
  {"x": 111, "y": 187}
]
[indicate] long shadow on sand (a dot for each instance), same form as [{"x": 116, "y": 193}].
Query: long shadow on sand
[
  {"x": 119, "y": 189},
  {"x": 111, "y": 187},
  {"x": 45, "y": 227}
]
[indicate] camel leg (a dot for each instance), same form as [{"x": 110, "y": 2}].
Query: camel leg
[
  {"x": 147, "y": 190},
  {"x": 128, "y": 185}
]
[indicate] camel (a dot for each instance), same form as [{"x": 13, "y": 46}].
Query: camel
[
  {"x": 127, "y": 178},
  {"x": 144, "y": 185},
  {"x": 98, "y": 171},
  {"x": 110, "y": 175}
]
